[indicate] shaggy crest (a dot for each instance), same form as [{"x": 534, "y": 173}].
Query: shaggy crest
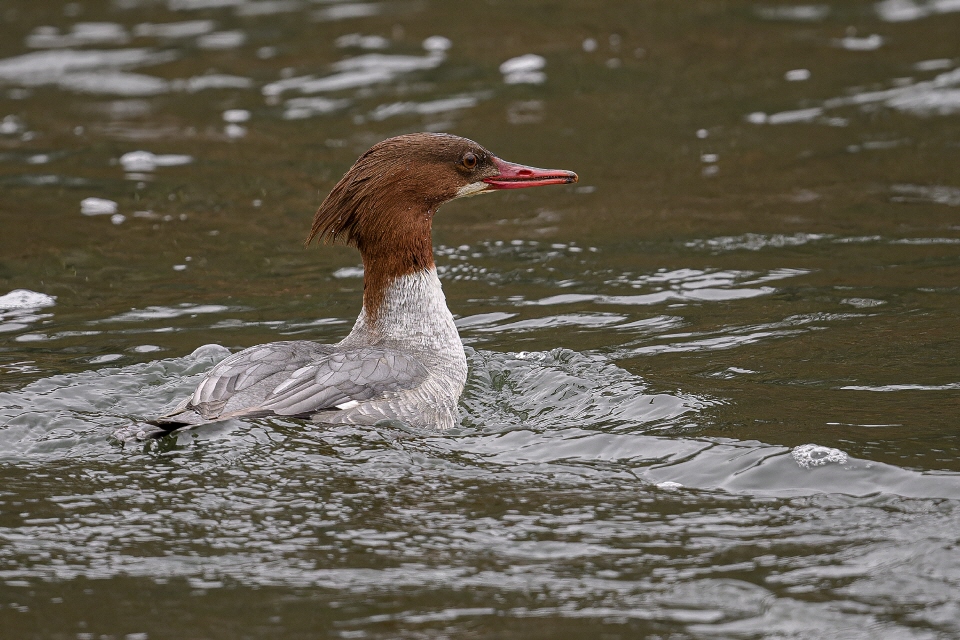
[
  {"x": 384, "y": 205},
  {"x": 395, "y": 182}
]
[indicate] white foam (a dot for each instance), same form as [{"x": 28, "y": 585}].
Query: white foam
[
  {"x": 98, "y": 207},
  {"x": 193, "y": 5},
  {"x": 528, "y": 62},
  {"x": 799, "y": 13},
  {"x": 235, "y": 131},
  {"x": 437, "y": 43},
  {"x": 268, "y": 7},
  {"x": 236, "y": 115},
  {"x": 815, "y": 455},
  {"x": 222, "y": 40},
  {"x": 347, "y": 10},
  {"x": 212, "y": 81},
  {"x": 81, "y": 34},
  {"x": 299, "y": 108},
  {"x": 525, "y": 69},
  {"x": 361, "y": 41},
  {"x": 797, "y": 75},
  {"x": 908, "y": 10},
  {"x": 391, "y": 63},
  {"x": 941, "y": 102},
  {"x": 796, "y": 115},
  {"x": 853, "y": 43},
  {"x": 146, "y": 348},
  {"x": 186, "y": 29},
  {"x": 669, "y": 485},
  {"x": 11, "y": 125},
  {"x": 25, "y": 299},
  {"x": 348, "y": 272},
  {"x": 31, "y": 337},
  {"x": 141, "y": 161},
  {"x": 937, "y": 64},
  {"x": 107, "y": 357},
  {"x": 863, "y": 303},
  {"x": 118, "y": 83}
]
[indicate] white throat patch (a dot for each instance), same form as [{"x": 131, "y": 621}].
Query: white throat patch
[{"x": 471, "y": 189}]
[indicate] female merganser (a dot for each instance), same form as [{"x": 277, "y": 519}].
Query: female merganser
[{"x": 403, "y": 360}]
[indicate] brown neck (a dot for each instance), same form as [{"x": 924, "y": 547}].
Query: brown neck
[
  {"x": 384, "y": 206},
  {"x": 401, "y": 248}
]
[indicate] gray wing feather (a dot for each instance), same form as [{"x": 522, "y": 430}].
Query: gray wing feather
[
  {"x": 244, "y": 370},
  {"x": 357, "y": 374},
  {"x": 299, "y": 377}
]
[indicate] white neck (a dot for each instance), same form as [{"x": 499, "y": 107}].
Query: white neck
[{"x": 413, "y": 316}]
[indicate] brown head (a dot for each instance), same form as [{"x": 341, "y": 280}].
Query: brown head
[{"x": 384, "y": 205}]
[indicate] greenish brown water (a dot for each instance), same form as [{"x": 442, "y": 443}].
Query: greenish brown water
[{"x": 763, "y": 253}]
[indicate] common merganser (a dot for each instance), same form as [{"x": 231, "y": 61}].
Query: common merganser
[{"x": 403, "y": 360}]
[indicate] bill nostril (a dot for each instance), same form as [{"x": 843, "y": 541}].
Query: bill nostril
[{"x": 525, "y": 172}]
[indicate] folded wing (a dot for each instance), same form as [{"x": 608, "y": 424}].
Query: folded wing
[
  {"x": 297, "y": 378},
  {"x": 345, "y": 378}
]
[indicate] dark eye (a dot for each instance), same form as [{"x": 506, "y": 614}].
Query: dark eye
[{"x": 469, "y": 160}]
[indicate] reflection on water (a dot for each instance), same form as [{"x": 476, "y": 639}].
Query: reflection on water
[
  {"x": 713, "y": 387},
  {"x": 907, "y": 10},
  {"x": 939, "y": 96}
]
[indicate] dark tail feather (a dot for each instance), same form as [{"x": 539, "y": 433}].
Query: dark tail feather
[
  {"x": 152, "y": 429},
  {"x": 170, "y": 423}
]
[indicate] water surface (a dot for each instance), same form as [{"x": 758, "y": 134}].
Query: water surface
[{"x": 714, "y": 386}]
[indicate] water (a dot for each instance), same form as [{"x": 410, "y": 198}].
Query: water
[{"x": 714, "y": 386}]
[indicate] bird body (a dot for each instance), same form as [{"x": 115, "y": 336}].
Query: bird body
[{"x": 403, "y": 360}]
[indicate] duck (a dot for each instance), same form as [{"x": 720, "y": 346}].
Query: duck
[{"x": 403, "y": 360}]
